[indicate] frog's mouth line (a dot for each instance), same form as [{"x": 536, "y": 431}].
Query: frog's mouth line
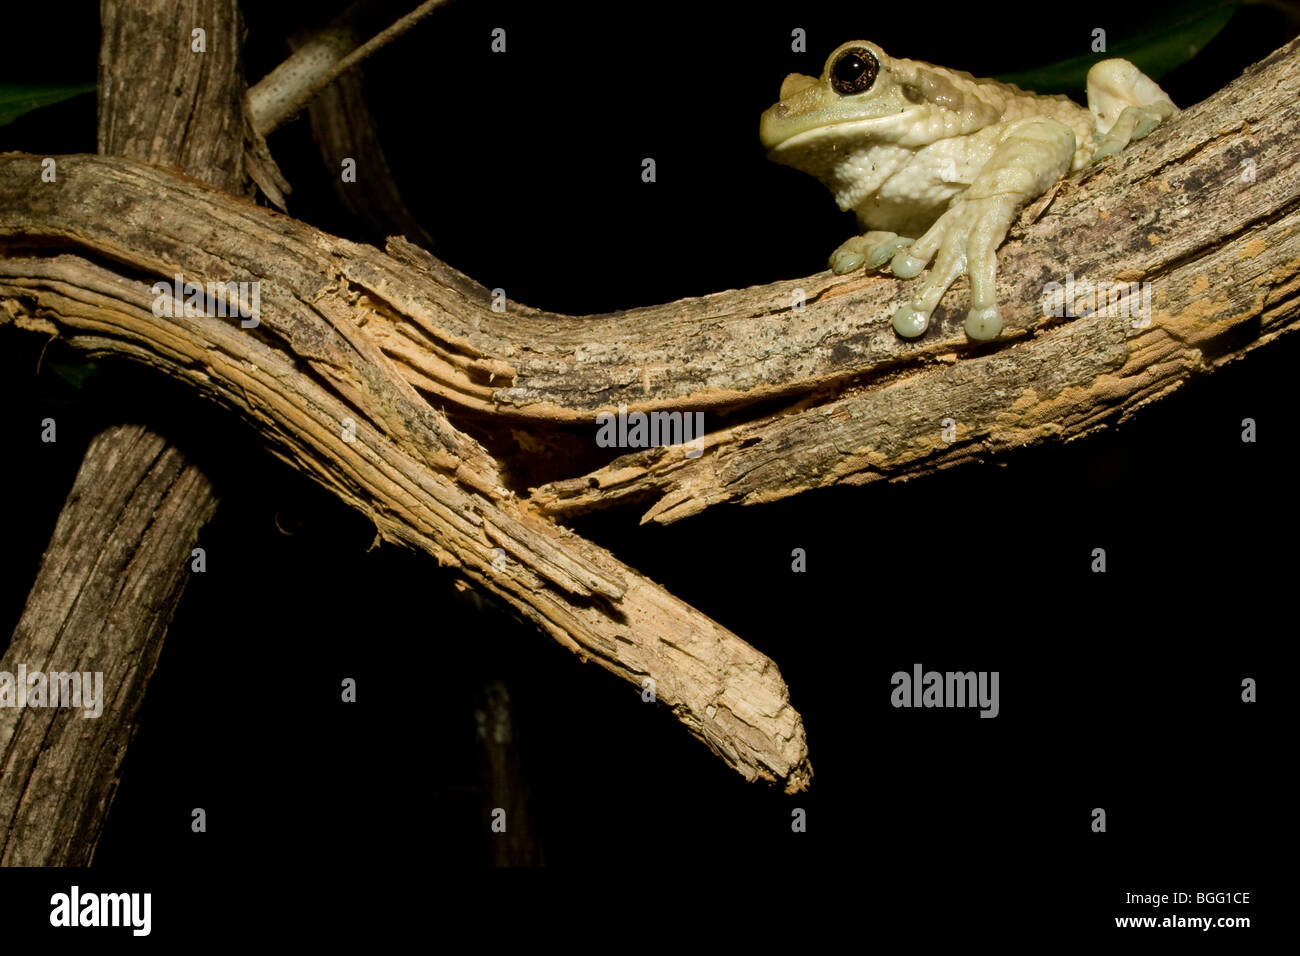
[{"x": 856, "y": 127}]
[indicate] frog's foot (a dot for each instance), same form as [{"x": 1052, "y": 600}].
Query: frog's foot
[
  {"x": 947, "y": 237},
  {"x": 871, "y": 249},
  {"x": 966, "y": 237},
  {"x": 1134, "y": 123},
  {"x": 983, "y": 321},
  {"x": 1126, "y": 103}
]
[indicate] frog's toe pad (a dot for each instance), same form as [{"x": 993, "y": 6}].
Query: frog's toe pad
[
  {"x": 1108, "y": 147},
  {"x": 906, "y": 266},
  {"x": 845, "y": 260},
  {"x": 885, "y": 251},
  {"x": 982, "y": 325},
  {"x": 909, "y": 321}
]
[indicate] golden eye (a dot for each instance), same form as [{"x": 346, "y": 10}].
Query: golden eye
[{"x": 854, "y": 71}]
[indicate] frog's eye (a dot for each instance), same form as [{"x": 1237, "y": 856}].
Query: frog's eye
[{"x": 854, "y": 71}]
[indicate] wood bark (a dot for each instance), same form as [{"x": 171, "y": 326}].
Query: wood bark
[
  {"x": 332, "y": 404},
  {"x": 163, "y": 103},
  {"x": 107, "y": 587}
]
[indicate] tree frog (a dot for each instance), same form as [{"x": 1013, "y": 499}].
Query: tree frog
[{"x": 937, "y": 163}]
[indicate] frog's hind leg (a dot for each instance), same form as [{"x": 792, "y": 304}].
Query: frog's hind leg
[
  {"x": 966, "y": 237},
  {"x": 1126, "y": 103}
]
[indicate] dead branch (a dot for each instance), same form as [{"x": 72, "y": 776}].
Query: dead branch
[
  {"x": 330, "y": 403},
  {"x": 105, "y": 593},
  {"x": 319, "y": 60},
  {"x": 348, "y": 332},
  {"x": 1208, "y": 213},
  {"x": 1154, "y": 213}
]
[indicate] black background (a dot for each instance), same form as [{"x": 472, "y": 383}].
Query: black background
[{"x": 1119, "y": 690}]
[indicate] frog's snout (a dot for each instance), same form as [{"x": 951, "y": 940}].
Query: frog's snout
[
  {"x": 770, "y": 126},
  {"x": 795, "y": 83},
  {"x": 774, "y": 123}
]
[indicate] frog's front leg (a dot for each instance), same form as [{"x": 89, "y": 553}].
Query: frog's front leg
[
  {"x": 871, "y": 249},
  {"x": 1034, "y": 154}
]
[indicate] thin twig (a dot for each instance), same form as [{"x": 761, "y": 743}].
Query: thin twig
[{"x": 287, "y": 89}]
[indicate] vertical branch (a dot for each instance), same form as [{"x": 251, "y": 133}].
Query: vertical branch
[
  {"x": 114, "y": 572},
  {"x": 105, "y": 592},
  {"x": 164, "y": 101}
]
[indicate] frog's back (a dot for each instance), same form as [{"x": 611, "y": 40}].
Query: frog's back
[{"x": 977, "y": 102}]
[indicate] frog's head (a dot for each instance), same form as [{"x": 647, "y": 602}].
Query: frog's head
[
  {"x": 861, "y": 97},
  {"x": 858, "y": 98},
  {"x": 847, "y": 126}
]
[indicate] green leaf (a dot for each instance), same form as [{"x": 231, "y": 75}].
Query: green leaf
[
  {"x": 17, "y": 100},
  {"x": 76, "y": 374},
  {"x": 1155, "y": 50}
]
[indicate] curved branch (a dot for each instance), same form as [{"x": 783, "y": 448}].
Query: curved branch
[
  {"x": 332, "y": 405},
  {"x": 350, "y": 332},
  {"x": 1207, "y": 212},
  {"x": 1154, "y": 213}
]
